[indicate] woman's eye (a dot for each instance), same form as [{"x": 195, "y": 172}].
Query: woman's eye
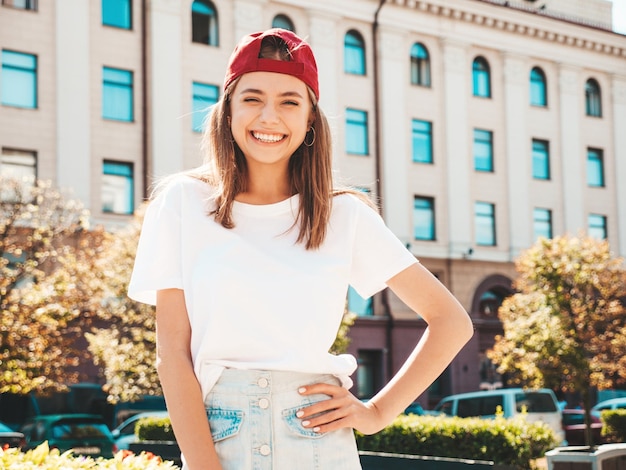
[
  {"x": 292, "y": 103},
  {"x": 250, "y": 99}
]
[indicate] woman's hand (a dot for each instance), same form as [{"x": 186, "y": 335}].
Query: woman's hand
[{"x": 341, "y": 410}]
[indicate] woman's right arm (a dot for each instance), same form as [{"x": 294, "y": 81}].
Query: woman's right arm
[{"x": 182, "y": 392}]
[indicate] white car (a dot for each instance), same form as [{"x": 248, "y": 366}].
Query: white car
[{"x": 124, "y": 434}]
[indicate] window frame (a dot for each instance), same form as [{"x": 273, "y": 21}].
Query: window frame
[
  {"x": 538, "y": 88},
  {"x": 354, "y": 59},
  {"x": 480, "y": 216},
  {"x": 110, "y": 85},
  {"x": 594, "y": 228},
  {"x": 481, "y": 77},
  {"x": 127, "y": 17},
  {"x": 595, "y": 166},
  {"x": 486, "y": 143},
  {"x": 210, "y": 33},
  {"x": 361, "y": 125},
  {"x": 427, "y": 212},
  {"x": 420, "y": 65},
  {"x": 115, "y": 167},
  {"x": 542, "y": 217},
  {"x": 29, "y": 5},
  {"x": 200, "y": 104},
  {"x": 545, "y": 158},
  {"x": 593, "y": 98},
  {"x": 418, "y": 136},
  {"x": 21, "y": 71},
  {"x": 281, "y": 20}
]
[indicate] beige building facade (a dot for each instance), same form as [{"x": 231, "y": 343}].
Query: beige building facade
[{"x": 479, "y": 125}]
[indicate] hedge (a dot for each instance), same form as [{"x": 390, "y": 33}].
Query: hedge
[
  {"x": 614, "y": 425},
  {"x": 511, "y": 442}
]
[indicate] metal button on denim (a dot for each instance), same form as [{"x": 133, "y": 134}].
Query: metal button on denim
[
  {"x": 265, "y": 449},
  {"x": 264, "y": 403},
  {"x": 263, "y": 382}
]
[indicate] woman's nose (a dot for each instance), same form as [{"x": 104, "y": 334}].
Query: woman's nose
[{"x": 269, "y": 114}]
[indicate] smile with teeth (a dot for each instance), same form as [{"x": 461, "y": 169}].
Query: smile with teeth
[{"x": 269, "y": 138}]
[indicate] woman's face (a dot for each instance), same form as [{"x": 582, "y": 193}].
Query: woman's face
[{"x": 270, "y": 115}]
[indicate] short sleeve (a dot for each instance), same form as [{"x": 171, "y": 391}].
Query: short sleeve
[
  {"x": 158, "y": 259},
  {"x": 377, "y": 255}
]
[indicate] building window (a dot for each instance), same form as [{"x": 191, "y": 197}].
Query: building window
[
  {"x": 481, "y": 78},
  {"x": 359, "y": 305},
  {"x": 542, "y": 223},
  {"x": 538, "y": 90},
  {"x": 485, "y": 220},
  {"x": 593, "y": 98},
  {"x": 420, "y": 65},
  {"x": 21, "y": 4},
  {"x": 369, "y": 374},
  {"x": 356, "y": 132},
  {"x": 118, "y": 193},
  {"x": 483, "y": 150},
  {"x": 595, "y": 167},
  {"x": 541, "y": 159},
  {"x": 117, "y": 94},
  {"x": 117, "y": 13},
  {"x": 203, "y": 96},
  {"x": 19, "y": 79},
  {"x": 422, "y": 136},
  {"x": 204, "y": 25},
  {"x": 424, "y": 218},
  {"x": 354, "y": 53},
  {"x": 284, "y": 22},
  {"x": 18, "y": 164},
  {"x": 597, "y": 226}
]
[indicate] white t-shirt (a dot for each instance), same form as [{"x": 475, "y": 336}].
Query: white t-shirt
[{"x": 256, "y": 299}]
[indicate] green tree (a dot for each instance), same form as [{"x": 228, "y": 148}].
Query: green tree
[
  {"x": 39, "y": 228},
  {"x": 566, "y": 328}
]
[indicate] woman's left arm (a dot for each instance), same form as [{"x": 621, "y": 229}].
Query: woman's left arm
[{"x": 449, "y": 329}]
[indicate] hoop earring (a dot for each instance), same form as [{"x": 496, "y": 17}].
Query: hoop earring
[{"x": 309, "y": 144}]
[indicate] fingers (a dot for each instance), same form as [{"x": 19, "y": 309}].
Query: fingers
[{"x": 331, "y": 414}]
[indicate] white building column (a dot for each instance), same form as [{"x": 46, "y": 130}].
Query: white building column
[
  {"x": 572, "y": 162},
  {"x": 394, "y": 150},
  {"x": 517, "y": 161},
  {"x": 165, "y": 72},
  {"x": 619, "y": 157},
  {"x": 73, "y": 83},
  {"x": 457, "y": 78},
  {"x": 249, "y": 18}
]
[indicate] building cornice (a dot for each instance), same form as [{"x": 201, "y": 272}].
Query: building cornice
[{"x": 490, "y": 15}]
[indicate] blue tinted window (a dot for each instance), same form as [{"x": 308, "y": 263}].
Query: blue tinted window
[
  {"x": 541, "y": 160},
  {"x": 19, "y": 79},
  {"x": 117, "y": 94},
  {"x": 354, "y": 53},
  {"x": 424, "y": 218},
  {"x": 483, "y": 150},
  {"x": 358, "y": 304},
  {"x": 422, "y": 136},
  {"x": 542, "y": 223},
  {"x": 204, "y": 96},
  {"x": 485, "y": 223},
  {"x": 597, "y": 226},
  {"x": 117, "y": 188},
  {"x": 595, "y": 167},
  {"x": 593, "y": 98},
  {"x": 204, "y": 24},
  {"x": 420, "y": 65},
  {"x": 356, "y": 132},
  {"x": 538, "y": 93},
  {"x": 21, "y": 4},
  {"x": 284, "y": 22},
  {"x": 117, "y": 13},
  {"x": 481, "y": 79}
]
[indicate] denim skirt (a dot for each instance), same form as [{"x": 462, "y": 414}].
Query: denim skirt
[{"x": 252, "y": 415}]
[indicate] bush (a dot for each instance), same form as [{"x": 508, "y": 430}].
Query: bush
[
  {"x": 512, "y": 442},
  {"x": 154, "y": 429},
  {"x": 42, "y": 458},
  {"x": 614, "y": 429}
]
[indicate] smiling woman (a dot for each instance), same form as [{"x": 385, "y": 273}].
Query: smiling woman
[{"x": 248, "y": 260}]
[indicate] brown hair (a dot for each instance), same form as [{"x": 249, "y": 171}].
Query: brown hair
[{"x": 310, "y": 167}]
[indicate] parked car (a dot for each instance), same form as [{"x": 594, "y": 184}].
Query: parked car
[
  {"x": 574, "y": 427},
  {"x": 414, "y": 409},
  {"x": 612, "y": 404},
  {"x": 537, "y": 404},
  {"x": 84, "y": 434},
  {"x": 10, "y": 438},
  {"x": 124, "y": 434}
]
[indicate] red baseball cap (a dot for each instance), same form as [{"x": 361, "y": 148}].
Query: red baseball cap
[{"x": 245, "y": 58}]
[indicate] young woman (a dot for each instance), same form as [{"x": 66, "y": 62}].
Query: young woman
[{"x": 248, "y": 260}]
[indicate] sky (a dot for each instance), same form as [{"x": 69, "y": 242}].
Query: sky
[{"x": 619, "y": 16}]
